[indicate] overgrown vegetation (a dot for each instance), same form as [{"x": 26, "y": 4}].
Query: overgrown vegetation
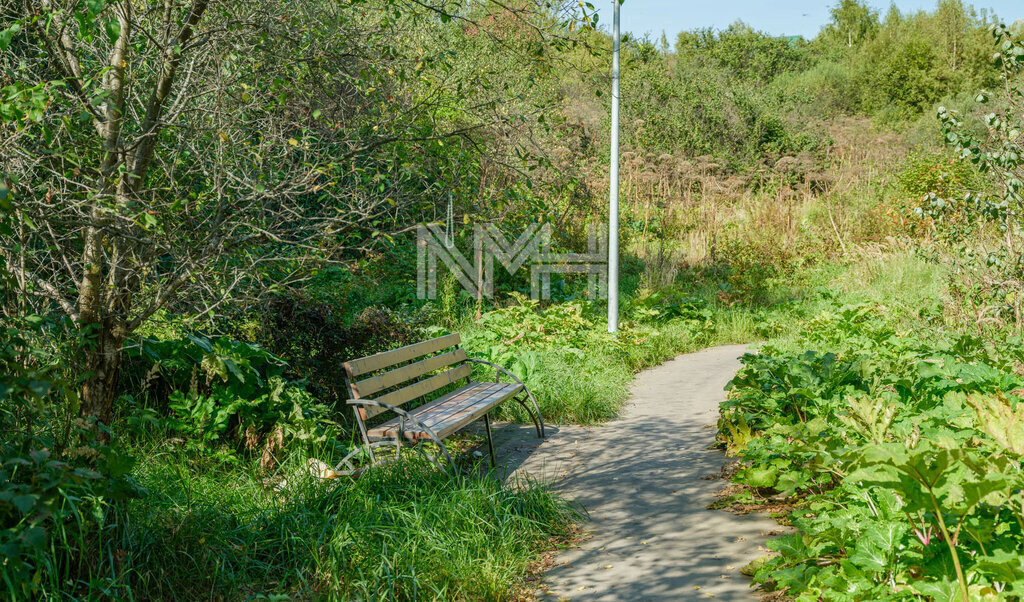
[
  {"x": 888, "y": 428},
  {"x": 201, "y": 223}
]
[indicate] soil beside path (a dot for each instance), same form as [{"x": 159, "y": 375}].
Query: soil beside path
[{"x": 646, "y": 480}]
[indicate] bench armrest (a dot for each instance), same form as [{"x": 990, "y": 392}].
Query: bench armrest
[
  {"x": 498, "y": 368},
  {"x": 498, "y": 372}
]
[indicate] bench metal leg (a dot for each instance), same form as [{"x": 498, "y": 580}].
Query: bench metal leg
[
  {"x": 534, "y": 414},
  {"x": 347, "y": 467},
  {"x": 400, "y": 437},
  {"x": 490, "y": 439}
]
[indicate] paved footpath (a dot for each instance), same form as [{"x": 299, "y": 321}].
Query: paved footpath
[{"x": 646, "y": 480}]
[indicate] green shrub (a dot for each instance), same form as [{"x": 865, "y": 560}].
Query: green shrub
[
  {"x": 696, "y": 107},
  {"x": 316, "y": 336},
  {"x": 58, "y": 483},
  {"x": 744, "y": 52},
  {"x": 754, "y": 267},
  {"x": 220, "y": 390},
  {"x": 900, "y": 452}
]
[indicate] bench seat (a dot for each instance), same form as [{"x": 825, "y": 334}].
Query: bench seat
[{"x": 450, "y": 413}]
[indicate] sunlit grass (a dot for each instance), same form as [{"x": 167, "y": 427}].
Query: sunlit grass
[{"x": 404, "y": 532}]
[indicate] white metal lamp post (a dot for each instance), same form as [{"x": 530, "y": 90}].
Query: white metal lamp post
[{"x": 613, "y": 200}]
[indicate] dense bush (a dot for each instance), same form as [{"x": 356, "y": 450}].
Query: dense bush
[
  {"x": 315, "y": 337},
  {"x": 708, "y": 99},
  {"x": 745, "y": 52},
  {"x": 225, "y": 391},
  {"x": 895, "y": 67},
  {"x": 58, "y": 483},
  {"x": 899, "y": 452}
]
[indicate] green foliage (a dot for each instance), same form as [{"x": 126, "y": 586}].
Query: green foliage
[
  {"x": 895, "y": 68},
  {"x": 58, "y": 483},
  {"x": 576, "y": 370},
  {"x": 315, "y": 335},
  {"x": 225, "y": 390},
  {"x": 755, "y": 267},
  {"x": 404, "y": 532},
  {"x": 667, "y": 305},
  {"x": 898, "y": 451},
  {"x": 853, "y": 23},
  {"x": 980, "y": 221},
  {"x": 1001, "y": 155},
  {"x": 744, "y": 52},
  {"x": 710, "y": 99},
  {"x": 936, "y": 174}
]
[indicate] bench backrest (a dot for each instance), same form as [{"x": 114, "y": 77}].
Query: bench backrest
[{"x": 398, "y": 376}]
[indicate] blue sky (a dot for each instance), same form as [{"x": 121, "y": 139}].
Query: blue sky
[{"x": 793, "y": 17}]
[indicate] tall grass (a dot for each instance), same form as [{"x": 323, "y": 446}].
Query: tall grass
[
  {"x": 589, "y": 385},
  {"x": 216, "y": 530},
  {"x": 897, "y": 277},
  {"x": 591, "y": 388}
]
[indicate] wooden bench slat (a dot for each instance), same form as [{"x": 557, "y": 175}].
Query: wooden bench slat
[
  {"x": 456, "y": 421},
  {"x": 379, "y": 361},
  {"x": 419, "y": 389},
  {"x": 369, "y": 386},
  {"x": 444, "y": 422},
  {"x": 454, "y": 411},
  {"x": 437, "y": 414},
  {"x": 480, "y": 394}
]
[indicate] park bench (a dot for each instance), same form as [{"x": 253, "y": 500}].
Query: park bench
[{"x": 380, "y": 385}]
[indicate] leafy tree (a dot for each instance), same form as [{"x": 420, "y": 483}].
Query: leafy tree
[
  {"x": 853, "y": 23},
  {"x": 954, "y": 21},
  {"x": 1000, "y": 153},
  {"x": 902, "y": 65},
  {"x": 749, "y": 54},
  {"x": 188, "y": 153}
]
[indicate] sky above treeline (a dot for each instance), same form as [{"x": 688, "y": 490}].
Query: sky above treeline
[{"x": 793, "y": 17}]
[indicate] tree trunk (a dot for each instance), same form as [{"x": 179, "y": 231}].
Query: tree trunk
[{"x": 102, "y": 365}]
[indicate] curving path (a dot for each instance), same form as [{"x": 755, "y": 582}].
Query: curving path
[{"x": 646, "y": 480}]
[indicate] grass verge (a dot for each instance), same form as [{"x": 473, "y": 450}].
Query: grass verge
[{"x": 402, "y": 532}]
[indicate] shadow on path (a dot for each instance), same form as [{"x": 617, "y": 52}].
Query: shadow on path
[{"x": 646, "y": 480}]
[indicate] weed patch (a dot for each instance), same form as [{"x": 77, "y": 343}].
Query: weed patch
[{"x": 894, "y": 447}]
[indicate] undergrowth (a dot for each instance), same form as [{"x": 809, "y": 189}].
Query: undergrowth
[
  {"x": 896, "y": 439},
  {"x": 580, "y": 374},
  {"x": 209, "y": 530}
]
